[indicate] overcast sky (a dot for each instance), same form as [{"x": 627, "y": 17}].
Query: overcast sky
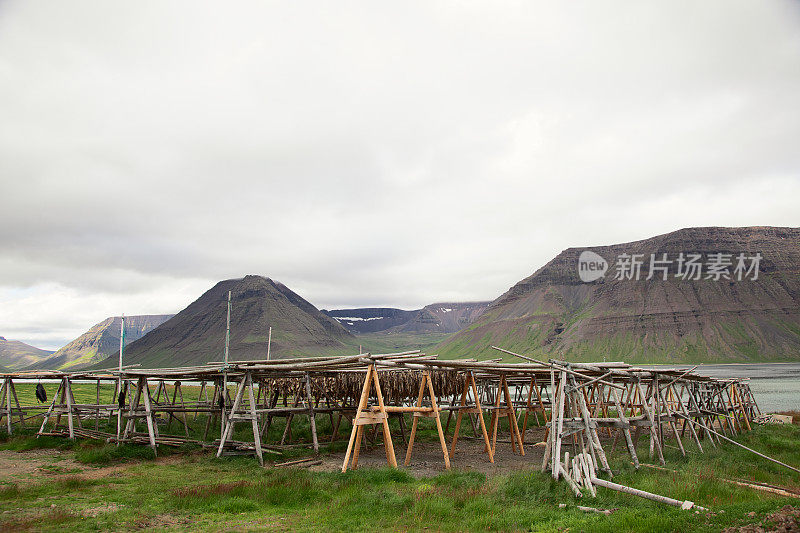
[{"x": 372, "y": 153}]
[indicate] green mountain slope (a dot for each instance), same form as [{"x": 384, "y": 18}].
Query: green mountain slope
[
  {"x": 100, "y": 342},
  {"x": 552, "y": 313},
  {"x": 15, "y": 355}
]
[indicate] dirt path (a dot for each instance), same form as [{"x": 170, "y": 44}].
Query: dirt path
[
  {"x": 427, "y": 458},
  {"x": 35, "y": 465}
]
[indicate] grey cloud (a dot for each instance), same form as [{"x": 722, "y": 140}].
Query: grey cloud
[{"x": 374, "y": 154}]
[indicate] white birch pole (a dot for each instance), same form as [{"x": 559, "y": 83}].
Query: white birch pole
[
  {"x": 224, "y": 391},
  {"x": 269, "y": 342}
]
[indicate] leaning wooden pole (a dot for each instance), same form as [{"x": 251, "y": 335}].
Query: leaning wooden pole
[
  {"x": 685, "y": 505},
  {"x": 790, "y": 467}
]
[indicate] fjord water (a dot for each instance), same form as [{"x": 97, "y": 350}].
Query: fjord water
[{"x": 776, "y": 386}]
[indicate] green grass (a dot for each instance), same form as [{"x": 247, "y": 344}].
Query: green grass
[
  {"x": 201, "y": 492},
  {"x": 400, "y": 342}
]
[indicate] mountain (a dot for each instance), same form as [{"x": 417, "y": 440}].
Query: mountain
[
  {"x": 554, "y": 313},
  {"x": 196, "y": 335},
  {"x": 100, "y": 342},
  {"x": 370, "y": 319},
  {"x": 444, "y": 317},
  {"x": 433, "y": 318},
  {"x": 15, "y": 355}
]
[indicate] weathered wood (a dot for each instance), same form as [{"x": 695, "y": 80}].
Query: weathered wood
[
  {"x": 254, "y": 420},
  {"x": 152, "y": 429},
  {"x": 438, "y": 420},
  {"x": 685, "y": 505},
  {"x": 556, "y": 453},
  {"x": 625, "y": 429},
  {"x": 745, "y": 447},
  {"x": 229, "y": 420},
  {"x": 653, "y": 430},
  {"x": 588, "y": 509},
  {"x": 414, "y": 423},
  {"x": 311, "y": 415}
]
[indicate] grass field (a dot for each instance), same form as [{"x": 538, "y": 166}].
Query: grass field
[{"x": 51, "y": 484}]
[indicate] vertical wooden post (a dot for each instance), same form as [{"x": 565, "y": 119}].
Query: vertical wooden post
[
  {"x": 6, "y": 394},
  {"x": 97, "y": 411},
  {"x": 591, "y": 433},
  {"x": 312, "y": 416},
  {"x": 671, "y": 421},
  {"x": 254, "y": 419},
  {"x": 16, "y": 402},
  {"x": 625, "y": 428},
  {"x": 556, "y": 452},
  {"x": 363, "y": 418},
  {"x": 152, "y": 430},
  {"x": 229, "y": 420},
  {"x": 425, "y": 380},
  {"x": 70, "y": 407},
  {"x": 414, "y": 422},
  {"x": 183, "y": 407},
  {"x": 653, "y": 428},
  {"x": 516, "y": 439},
  {"x": 683, "y": 409},
  {"x": 130, "y": 426},
  {"x": 387, "y": 435},
  {"x": 200, "y": 398},
  {"x": 362, "y": 404}
]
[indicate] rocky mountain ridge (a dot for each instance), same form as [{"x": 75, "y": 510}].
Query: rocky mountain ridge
[
  {"x": 445, "y": 317},
  {"x": 733, "y": 316}
]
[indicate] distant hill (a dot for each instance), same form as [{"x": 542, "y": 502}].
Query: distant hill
[
  {"x": 100, "y": 342},
  {"x": 15, "y": 355},
  {"x": 370, "y": 319},
  {"x": 445, "y": 317},
  {"x": 196, "y": 335},
  {"x": 554, "y": 313},
  {"x": 433, "y": 318}
]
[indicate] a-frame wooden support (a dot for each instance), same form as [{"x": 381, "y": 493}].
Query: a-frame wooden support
[
  {"x": 134, "y": 412},
  {"x": 305, "y": 397},
  {"x": 431, "y": 412},
  {"x": 365, "y": 417},
  {"x": 176, "y": 392},
  {"x": 63, "y": 403},
  {"x": 6, "y": 394},
  {"x": 475, "y": 408},
  {"x": 531, "y": 407},
  {"x": 249, "y": 415},
  {"x": 508, "y": 411}
]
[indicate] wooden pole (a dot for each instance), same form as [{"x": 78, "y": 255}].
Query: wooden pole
[
  {"x": 362, "y": 404},
  {"x": 223, "y": 401},
  {"x": 414, "y": 422},
  {"x": 254, "y": 419},
  {"x": 438, "y": 420},
  {"x": 741, "y": 445},
  {"x": 7, "y": 388},
  {"x": 50, "y": 409},
  {"x": 685, "y": 505},
  {"x": 229, "y": 424},
  {"x": 152, "y": 429},
  {"x": 70, "y": 421},
  {"x": 311, "y": 415},
  {"x": 387, "y": 435}
]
